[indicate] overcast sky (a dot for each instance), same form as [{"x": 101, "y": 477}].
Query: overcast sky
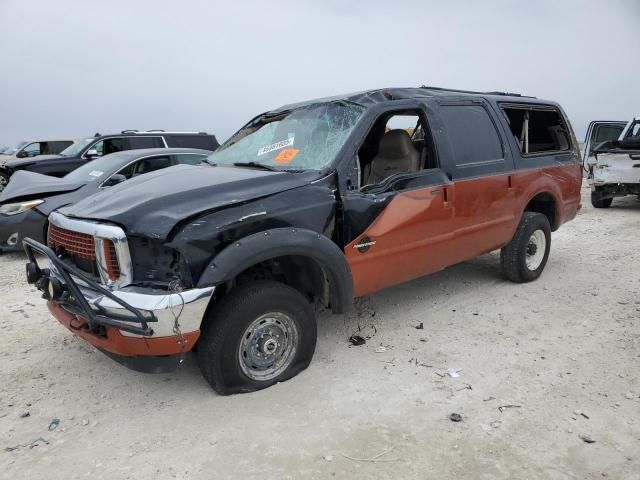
[{"x": 76, "y": 67}]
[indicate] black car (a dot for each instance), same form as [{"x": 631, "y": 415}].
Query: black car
[
  {"x": 92, "y": 147},
  {"x": 31, "y": 197}
]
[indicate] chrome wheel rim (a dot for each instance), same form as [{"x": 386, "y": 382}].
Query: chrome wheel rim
[
  {"x": 535, "y": 250},
  {"x": 268, "y": 346}
]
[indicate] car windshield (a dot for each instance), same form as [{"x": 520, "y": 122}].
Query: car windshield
[
  {"x": 76, "y": 147},
  {"x": 306, "y": 138},
  {"x": 92, "y": 171}
]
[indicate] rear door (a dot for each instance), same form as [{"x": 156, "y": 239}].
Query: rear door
[
  {"x": 481, "y": 168},
  {"x": 598, "y": 132}
]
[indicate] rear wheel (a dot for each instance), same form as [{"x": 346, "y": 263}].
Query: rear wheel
[
  {"x": 261, "y": 333},
  {"x": 599, "y": 202},
  {"x": 523, "y": 259}
]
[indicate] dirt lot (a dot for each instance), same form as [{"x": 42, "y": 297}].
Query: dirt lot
[{"x": 562, "y": 352}]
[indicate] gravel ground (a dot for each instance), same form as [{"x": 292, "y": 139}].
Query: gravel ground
[{"x": 562, "y": 354}]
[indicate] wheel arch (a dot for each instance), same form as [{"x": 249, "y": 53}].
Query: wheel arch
[
  {"x": 544, "y": 202},
  {"x": 291, "y": 251}
]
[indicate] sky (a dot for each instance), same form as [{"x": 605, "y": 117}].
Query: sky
[{"x": 70, "y": 68}]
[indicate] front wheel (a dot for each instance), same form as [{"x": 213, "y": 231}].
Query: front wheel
[
  {"x": 523, "y": 259},
  {"x": 4, "y": 179},
  {"x": 261, "y": 333},
  {"x": 599, "y": 202}
]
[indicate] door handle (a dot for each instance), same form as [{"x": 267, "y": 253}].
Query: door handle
[{"x": 509, "y": 183}]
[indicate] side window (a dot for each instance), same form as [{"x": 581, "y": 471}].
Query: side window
[
  {"x": 537, "y": 129},
  {"x": 190, "y": 158},
  {"x": 32, "y": 149},
  {"x": 399, "y": 142},
  {"x": 109, "y": 145},
  {"x": 206, "y": 142},
  {"x": 606, "y": 133},
  {"x": 472, "y": 135},
  {"x": 58, "y": 146},
  {"x": 136, "y": 143},
  {"x": 145, "y": 165}
]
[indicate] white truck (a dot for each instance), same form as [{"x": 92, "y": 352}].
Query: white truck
[{"x": 611, "y": 159}]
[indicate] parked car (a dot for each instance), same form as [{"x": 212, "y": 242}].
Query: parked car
[
  {"x": 93, "y": 147},
  {"x": 307, "y": 206},
  {"x": 613, "y": 168},
  {"x": 33, "y": 148},
  {"x": 31, "y": 197}
]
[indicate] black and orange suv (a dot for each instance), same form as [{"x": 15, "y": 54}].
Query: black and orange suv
[{"x": 306, "y": 206}]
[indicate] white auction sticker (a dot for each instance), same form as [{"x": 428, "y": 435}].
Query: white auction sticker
[
  {"x": 96, "y": 173},
  {"x": 276, "y": 146}
]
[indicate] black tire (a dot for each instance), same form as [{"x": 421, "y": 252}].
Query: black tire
[
  {"x": 599, "y": 202},
  {"x": 513, "y": 257},
  {"x": 4, "y": 180},
  {"x": 226, "y": 326}
]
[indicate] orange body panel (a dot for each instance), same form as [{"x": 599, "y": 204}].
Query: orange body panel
[
  {"x": 119, "y": 344},
  {"x": 421, "y": 232}
]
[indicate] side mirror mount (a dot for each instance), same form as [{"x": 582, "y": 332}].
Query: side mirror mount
[
  {"x": 91, "y": 153},
  {"x": 115, "y": 179},
  {"x": 22, "y": 154}
]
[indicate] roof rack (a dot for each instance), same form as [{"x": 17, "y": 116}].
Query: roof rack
[
  {"x": 506, "y": 94},
  {"x": 169, "y": 132},
  {"x": 129, "y": 131}
]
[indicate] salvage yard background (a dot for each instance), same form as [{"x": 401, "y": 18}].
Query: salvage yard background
[{"x": 562, "y": 353}]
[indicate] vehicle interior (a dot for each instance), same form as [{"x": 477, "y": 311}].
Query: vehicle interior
[
  {"x": 537, "y": 130},
  {"x": 399, "y": 142}
]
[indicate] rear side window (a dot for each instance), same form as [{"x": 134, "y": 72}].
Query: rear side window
[
  {"x": 472, "y": 134},
  {"x": 537, "y": 128},
  {"x": 205, "y": 142},
  {"x": 136, "y": 143},
  {"x": 58, "y": 146}
]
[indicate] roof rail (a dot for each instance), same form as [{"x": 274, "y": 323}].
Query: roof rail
[
  {"x": 155, "y": 130},
  {"x": 168, "y": 132},
  {"x": 129, "y": 131},
  {"x": 506, "y": 94}
]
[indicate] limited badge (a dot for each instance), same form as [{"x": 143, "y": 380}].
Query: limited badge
[{"x": 364, "y": 244}]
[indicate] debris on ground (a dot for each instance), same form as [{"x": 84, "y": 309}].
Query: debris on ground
[
  {"x": 420, "y": 327},
  {"x": 357, "y": 340},
  {"x": 32, "y": 444},
  {"x": 25, "y": 414},
  {"x": 375, "y": 459},
  {"x": 455, "y": 417},
  {"x": 54, "y": 424},
  {"x": 586, "y": 438},
  {"x": 581, "y": 413},
  {"x": 454, "y": 372},
  {"x": 467, "y": 386},
  {"x": 503, "y": 407},
  {"x": 381, "y": 349}
]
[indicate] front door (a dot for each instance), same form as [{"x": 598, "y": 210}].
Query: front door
[{"x": 399, "y": 218}]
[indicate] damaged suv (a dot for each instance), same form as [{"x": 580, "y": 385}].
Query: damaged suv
[
  {"x": 613, "y": 169},
  {"x": 305, "y": 207}
]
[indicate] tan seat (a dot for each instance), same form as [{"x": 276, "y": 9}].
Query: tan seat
[{"x": 396, "y": 154}]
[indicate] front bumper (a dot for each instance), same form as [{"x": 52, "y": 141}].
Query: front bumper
[{"x": 126, "y": 323}]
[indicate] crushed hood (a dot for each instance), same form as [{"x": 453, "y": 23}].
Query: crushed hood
[
  {"x": 152, "y": 204},
  {"x": 28, "y": 184}
]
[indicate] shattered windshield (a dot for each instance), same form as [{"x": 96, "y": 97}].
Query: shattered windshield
[{"x": 306, "y": 138}]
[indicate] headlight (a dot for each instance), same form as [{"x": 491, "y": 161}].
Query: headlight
[{"x": 16, "y": 208}]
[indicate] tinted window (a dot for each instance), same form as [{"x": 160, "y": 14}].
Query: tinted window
[
  {"x": 109, "y": 145},
  {"x": 57, "y": 147},
  {"x": 605, "y": 133},
  {"x": 472, "y": 134},
  {"x": 205, "y": 142},
  {"x": 190, "y": 158},
  {"x": 136, "y": 143}
]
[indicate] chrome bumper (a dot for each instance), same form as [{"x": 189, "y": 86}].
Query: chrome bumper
[{"x": 185, "y": 309}]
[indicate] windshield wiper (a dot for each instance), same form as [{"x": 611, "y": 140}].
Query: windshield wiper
[{"x": 257, "y": 165}]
